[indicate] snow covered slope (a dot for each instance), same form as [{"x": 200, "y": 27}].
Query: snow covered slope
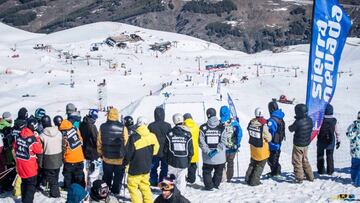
[{"x": 40, "y": 78}]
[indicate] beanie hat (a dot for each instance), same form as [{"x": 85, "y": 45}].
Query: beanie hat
[
  {"x": 272, "y": 106},
  {"x": 23, "y": 113},
  {"x": 70, "y": 108},
  {"x": 113, "y": 114},
  {"x": 210, "y": 112},
  {"x": 329, "y": 110},
  {"x": 7, "y": 116},
  {"x": 93, "y": 113},
  {"x": 187, "y": 116},
  {"x": 178, "y": 118},
  {"x": 39, "y": 113},
  {"x": 141, "y": 121},
  {"x": 76, "y": 193}
]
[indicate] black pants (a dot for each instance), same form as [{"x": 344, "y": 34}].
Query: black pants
[
  {"x": 73, "y": 173},
  {"x": 230, "y": 166},
  {"x": 6, "y": 182},
  {"x": 28, "y": 189},
  {"x": 41, "y": 180},
  {"x": 212, "y": 181},
  {"x": 254, "y": 172},
  {"x": 321, "y": 161},
  {"x": 113, "y": 176},
  {"x": 52, "y": 176},
  {"x": 191, "y": 176},
  {"x": 273, "y": 162}
]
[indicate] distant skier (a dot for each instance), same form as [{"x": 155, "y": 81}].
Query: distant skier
[
  {"x": 277, "y": 128},
  {"x": 259, "y": 138},
  {"x": 212, "y": 144},
  {"x": 353, "y": 133},
  {"x": 327, "y": 139},
  {"x": 302, "y": 137}
]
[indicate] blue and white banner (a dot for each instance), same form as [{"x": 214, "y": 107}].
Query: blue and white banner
[
  {"x": 331, "y": 26},
  {"x": 232, "y": 108}
]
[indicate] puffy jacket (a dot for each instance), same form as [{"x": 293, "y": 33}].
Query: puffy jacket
[
  {"x": 4, "y": 124},
  {"x": 353, "y": 133},
  {"x": 233, "y": 135},
  {"x": 260, "y": 153},
  {"x": 212, "y": 128},
  {"x": 195, "y": 132},
  {"x": 276, "y": 126},
  {"x": 52, "y": 144},
  {"x": 176, "y": 197},
  {"x": 178, "y": 148},
  {"x": 72, "y": 143},
  {"x": 302, "y": 127},
  {"x": 328, "y": 133},
  {"x": 141, "y": 148},
  {"x": 89, "y": 134},
  {"x": 26, "y": 146},
  {"x": 160, "y": 128}
]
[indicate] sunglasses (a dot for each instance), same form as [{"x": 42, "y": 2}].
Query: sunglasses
[{"x": 165, "y": 186}]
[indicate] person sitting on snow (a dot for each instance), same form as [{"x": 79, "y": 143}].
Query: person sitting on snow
[
  {"x": 353, "y": 133},
  {"x": 100, "y": 193},
  {"x": 170, "y": 193}
]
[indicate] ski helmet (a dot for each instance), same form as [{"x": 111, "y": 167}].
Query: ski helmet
[
  {"x": 46, "y": 121},
  {"x": 273, "y": 106},
  {"x": 300, "y": 110},
  {"x": 57, "y": 120},
  {"x": 93, "y": 113},
  {"x": 329, "y": 110},
  {"x": 178, "y": 119},
  {"x": 259, "y": 112},
  {"x": 33, "y": 124},
  {"x": 187, "y": 116},
  {"x": 23, "y": 113},
  {"x": 70, "y": 108},
  {"x": 39, "y": 113},
  {"x": 210, "y": 112},
  {"x": 20, "y": 124},
  {"x": 129, "y": 121}
]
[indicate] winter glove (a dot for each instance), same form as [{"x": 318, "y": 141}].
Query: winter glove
[
  {"x": 337, "y": 145},
  {"x": 212, "y": 153}
]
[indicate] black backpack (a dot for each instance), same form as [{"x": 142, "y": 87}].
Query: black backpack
[
  {"x": 280, "y": 132},
  {"x": 326, "y": 133}
]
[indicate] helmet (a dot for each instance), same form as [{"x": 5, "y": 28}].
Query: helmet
[
  {"x": 329, "y": 110},
  {"x": 93, "y": 113},
  {"x": 141, "y": 121},
  {"x": 300, "y": 110},
  {"x": 210, "y": 112},
  {"x": 129, "y": 121},
  {"x": 272, "y": 106},
  {"x": 46, "y": 121},
  {"x": 178, "y": 118},
  {"x": 259, "y": 112},
  {"x": 39, "y": 113},
  {"x": 23, "y": 113},
  {"x": 57, "y": 120},
  {"x": 32, "y": 124},
  {"x": 70, "y": 108},
  {"x": 20, "y": 124}
]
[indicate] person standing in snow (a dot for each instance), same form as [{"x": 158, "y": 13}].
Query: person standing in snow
[
  {"x": 276, "y": 126},
  {"x": 178, "y": 151},
  {"x": 73, "y": 170},
  {"x": 212, "y": 144},
  {"x": 73, "y": 115},
  {"x": 302, "y": 137},
  {"x": 89, "y": 133},
  {"x": 259, "y": 138},
  {"x": 6, "y": 158},
  {"x": 111, "y": 142},
  {"x": 26, "y": 146},
  {"x": 233, "y": 135},
  {"x": 160, "y": 128},
  {"x": 170, "y": 193},
  {"x": 327, "y": 139},
  {"x": 52, "y": 141},
  {"x": 141, "y": 148},
  {"x": 39, "y": 113},
  {"x": 195, "y": 132},
  {"x": 353, "y": 133}
]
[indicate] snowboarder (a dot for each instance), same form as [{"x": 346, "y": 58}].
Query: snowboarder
[
  {"x": 212, "y": 144},
  {"x": 39, "y": 113},
  {"x": 178, "y": 151},
  {"x": 195, "y": 131},
  {"x": 52, "y": 160},
  {"x": 327, "y": 138},
  {"x": 160, "y": 128},
  {"x": 26, "y": 146},
  {"x": 353, "y": 133},
  {"x": 302, "y": 137},
  {"x": 57, "y": 120},
  {"x": 259, "y": 138},
  {"x": 141, "y": 148},
  {"x": 276, "y": 125},
  {"x": 111, "y": 142},
  {"x": 100, "y": 193},
  {"x": 233, "y": 135},
  {"x": 170, "y": 193},
  {"x": 73, "y": 115},
  {"x": 73, "y": 155}
]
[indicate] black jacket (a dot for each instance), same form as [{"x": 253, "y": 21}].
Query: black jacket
[
  {"x": 178, "y": 148},
  {"x": 326, "y": 134},
  {"x": 113, "y": 139},
  {"x": 175, "y": 198},
  {"x": 303, "y": 128},
  {"x": 160, "y": 128},
  {"x": 89, "y": 134}
]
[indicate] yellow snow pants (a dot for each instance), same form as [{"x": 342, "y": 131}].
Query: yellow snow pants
[
  {"x": 139, "y": 188},
  {"x": 17, "y": 187}
]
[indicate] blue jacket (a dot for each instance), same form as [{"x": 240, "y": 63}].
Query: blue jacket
[
  {"x": 225, "y": 116},
  {"x": 273, "y": 127}
]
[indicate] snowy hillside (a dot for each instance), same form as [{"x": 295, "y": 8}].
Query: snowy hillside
[{"x": 41, "y": 78}]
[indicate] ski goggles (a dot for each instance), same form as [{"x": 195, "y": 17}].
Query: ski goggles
[
  {"x": 165, "y": 186},
  {"x": 103, "y": 191}
]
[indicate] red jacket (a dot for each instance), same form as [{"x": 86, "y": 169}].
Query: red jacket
[{"x": 26, "y": 146}]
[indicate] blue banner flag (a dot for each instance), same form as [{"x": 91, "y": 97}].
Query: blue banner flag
[
  {"x": 330, "y": 28},
  {"x": 232, "y": 108}
]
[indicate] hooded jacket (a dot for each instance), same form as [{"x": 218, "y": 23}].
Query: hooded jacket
[
  {"x": 232, "y": 130},
  {"x": 213, "y": 130},
  {"x": 302, "y": 126},
  {"x": 176, "y": 197},
  {"x": 195, "y": 132},
  {"x": 277, "y": 132},
  {"x": 72, "y": 143},
  {"x": 52, "y": 144},
  {"x": 141, "y": 148},
  {"x": 160, "y": 128},
  {"x": 26, "y": 146},
  {"x": 89, "y": 134},
  {"x": 353, "y": 133},
  {"x": 260, "y": 153},
  {"x": 4, "y": 124}
]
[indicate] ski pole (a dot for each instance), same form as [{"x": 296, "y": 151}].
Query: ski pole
[{"x": 237, "y": 160}]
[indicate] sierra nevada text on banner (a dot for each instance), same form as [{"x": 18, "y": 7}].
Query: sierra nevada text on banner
[{"x": 330, "y": 29}]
